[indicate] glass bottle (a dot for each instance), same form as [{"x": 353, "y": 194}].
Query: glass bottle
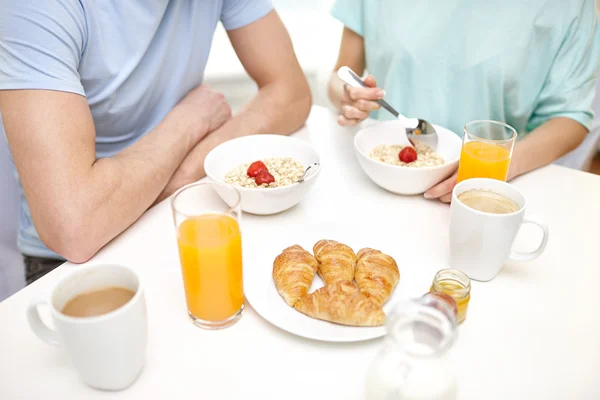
[
  {"x": 442, "y": 302},
  {"x": 412, "y": 365}
]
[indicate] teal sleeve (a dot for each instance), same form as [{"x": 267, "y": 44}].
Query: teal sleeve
[
  {"x": 570, "y": 85},
  {"x": 350, "y": 13}
]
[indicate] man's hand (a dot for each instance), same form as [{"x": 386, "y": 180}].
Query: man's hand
[
  {"x": 208, "y": 107},
  {"x": 214, "y": 111}
]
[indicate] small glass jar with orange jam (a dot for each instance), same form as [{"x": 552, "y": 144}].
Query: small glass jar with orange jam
[{"x": 457, "y": 285}]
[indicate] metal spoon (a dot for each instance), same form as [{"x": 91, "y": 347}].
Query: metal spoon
[
  {"x": 306, "y": 171},
  {"x": 416, "y": 128}
]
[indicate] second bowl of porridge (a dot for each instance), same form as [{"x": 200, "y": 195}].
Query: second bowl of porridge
[
  {"x": 407, "y": 171},
  {"x": 265, "y": 169}
]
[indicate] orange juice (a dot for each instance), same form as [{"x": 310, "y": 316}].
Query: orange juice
[
  {"x": 210, "y": 249},
  {"x": 483, "y": 160}
]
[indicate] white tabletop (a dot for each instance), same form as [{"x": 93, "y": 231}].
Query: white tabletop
[{"x": 532, "y": 333}]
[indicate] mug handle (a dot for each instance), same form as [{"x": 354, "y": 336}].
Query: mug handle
[
  {"x": 519, "y": 256},
  {"x": 38, "y": 327}
]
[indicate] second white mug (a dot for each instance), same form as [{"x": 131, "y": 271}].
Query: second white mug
[{"x": 480, "y": 242}]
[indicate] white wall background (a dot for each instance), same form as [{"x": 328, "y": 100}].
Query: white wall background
[{"x": 315, "y": 35}]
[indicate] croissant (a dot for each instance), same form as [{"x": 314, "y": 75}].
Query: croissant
[
  {"x": 337, "y": 261},
  {"x": 293, "y": 273},
  {"x": 376, "y": 274},
  {"x": 342, "y": 303}
]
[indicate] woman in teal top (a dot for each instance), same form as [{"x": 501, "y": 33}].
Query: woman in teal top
[{"x": 531, "y": 64}]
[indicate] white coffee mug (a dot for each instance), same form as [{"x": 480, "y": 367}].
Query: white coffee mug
[
  {"x": 108, "y": 350},
  {"x": 480, "y": 243}
]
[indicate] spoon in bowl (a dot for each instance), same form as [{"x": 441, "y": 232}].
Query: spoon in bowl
[
  {"x": 306, "y": 171},
  {"x": 416, "y": 128}
]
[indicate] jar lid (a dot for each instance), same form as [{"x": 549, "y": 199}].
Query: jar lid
[{"x": 457, "y": 277}]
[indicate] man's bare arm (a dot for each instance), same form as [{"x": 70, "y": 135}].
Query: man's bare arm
[
  {"x": 79, "y": 203},
  {"x": 281, "y": 105}
]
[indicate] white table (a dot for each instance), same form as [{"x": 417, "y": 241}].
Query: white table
[{"x": 532, "y": 333}]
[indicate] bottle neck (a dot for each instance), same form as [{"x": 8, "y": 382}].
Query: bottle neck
[{"x": 420, "y": 331}]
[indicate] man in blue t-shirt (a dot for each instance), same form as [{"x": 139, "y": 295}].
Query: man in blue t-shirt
[{"x": 105, "y": 113}]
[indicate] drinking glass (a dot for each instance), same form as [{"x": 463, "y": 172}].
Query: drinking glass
[
  {"x": 486, "y": 150},
  {"x": 207, "y": 217}
]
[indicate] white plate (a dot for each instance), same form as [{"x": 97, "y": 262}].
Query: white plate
[{"x": 262, "y": 294}]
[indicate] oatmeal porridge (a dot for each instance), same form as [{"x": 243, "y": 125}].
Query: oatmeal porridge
[
  {"x": 389, "y": 153},
  {"x": 267, "y": 173}
]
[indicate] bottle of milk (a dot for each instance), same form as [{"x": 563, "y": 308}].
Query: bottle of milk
[{"x": 412, "y": 365}]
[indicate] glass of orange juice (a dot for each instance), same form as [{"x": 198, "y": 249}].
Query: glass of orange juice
[
  {"x": 486, "y": 150},
  {"x": 207, "y": 217}
]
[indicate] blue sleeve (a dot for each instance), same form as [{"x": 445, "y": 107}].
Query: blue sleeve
[
  {"x": 350, "y": 13},
  {"x": 570, "y": 85},
  {"x": 41, "y": 43},
  {"x": 239, "y": 13}
]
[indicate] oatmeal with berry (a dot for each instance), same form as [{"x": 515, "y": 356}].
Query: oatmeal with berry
[
  {"x": 268, "y": 173},
  {"x": 406, "y": 156}
]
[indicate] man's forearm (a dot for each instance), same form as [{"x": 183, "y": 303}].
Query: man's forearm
[
  {"x": 275, "y": 109},
  {"x": 117, "y": 190},
  {"x": 545, "y": 144},
  {"x": 78, "y": 202}
]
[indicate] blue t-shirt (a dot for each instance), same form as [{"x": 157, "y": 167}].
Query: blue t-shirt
[
  {"x": 453, "y": 61},
  {"x": 132, "y": 59}
]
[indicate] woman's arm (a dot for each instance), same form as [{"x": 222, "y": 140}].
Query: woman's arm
[
  {"x": 352, "y": 54},
  {"x": 564, "y": 100},
  {"x": 354, "y": 104},
  {"x": 547, "y": 143},
  {"x": 543, "y": 145}
]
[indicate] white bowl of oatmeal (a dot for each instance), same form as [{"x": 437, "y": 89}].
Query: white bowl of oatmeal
[
  {"x": 378, "y": 148},
  {"x": 284, "y": 158}
]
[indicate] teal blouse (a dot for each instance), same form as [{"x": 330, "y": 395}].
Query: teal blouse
[{"x": 453, "y": 61}]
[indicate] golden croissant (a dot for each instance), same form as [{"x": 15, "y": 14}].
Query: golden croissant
[
  {"x": 342, "y": 303},
  {"x": 337, "y": 261},
  {"x": 293, "y": 273},
  {"x": 376, "y": 274}
]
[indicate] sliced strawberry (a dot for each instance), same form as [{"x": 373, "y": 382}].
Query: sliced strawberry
[
  {"x": 255, "y": 168},
  {"x": 264, "y": 177},
  {"x": 407, "y": 155}
]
